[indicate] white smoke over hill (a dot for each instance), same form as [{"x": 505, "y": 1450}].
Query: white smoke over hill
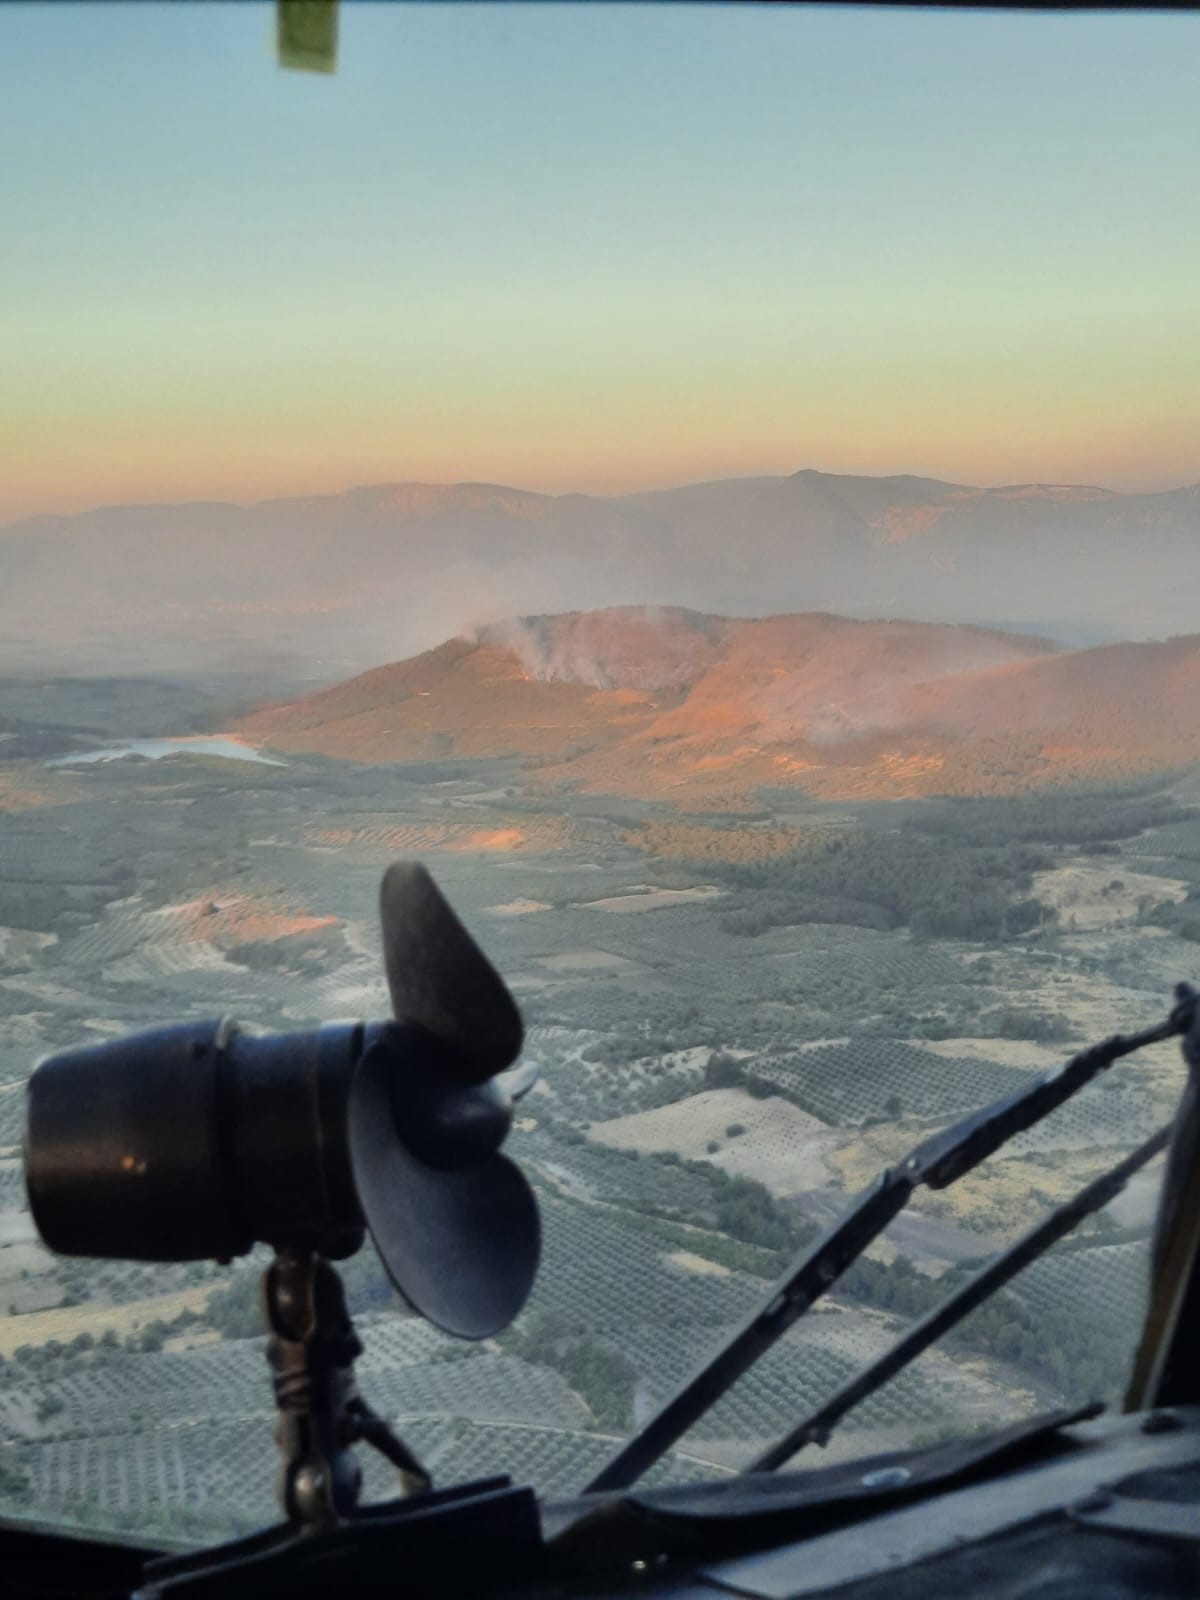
[{"x": 629, "y": 647}]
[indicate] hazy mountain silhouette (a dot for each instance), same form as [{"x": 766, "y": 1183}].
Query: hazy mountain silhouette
[{"x": 341, "y": 580}]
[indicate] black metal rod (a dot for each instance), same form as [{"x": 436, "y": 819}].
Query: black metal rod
[
  {"x": 816, "y": 1428},
  {"x": 805, "y": 1281},
  {"x": 949, "y": 1155}
]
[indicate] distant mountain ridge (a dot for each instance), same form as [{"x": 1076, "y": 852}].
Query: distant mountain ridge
[
  {"x": 338, "y": 581},
  {"x": 706, "y": 709}
]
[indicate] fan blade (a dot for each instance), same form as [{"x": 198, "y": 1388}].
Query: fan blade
[
  {"x": 518, "y": 1081},
  {"x": 438, "y": 976},
  {"x": 461, "y": 1246}
]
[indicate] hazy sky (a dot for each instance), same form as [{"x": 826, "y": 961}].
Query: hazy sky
[{"x": 593, "y": 247}]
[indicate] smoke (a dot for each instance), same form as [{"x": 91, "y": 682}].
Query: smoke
[
  {"x": 875, "y": 678},
  {"x": 328, "y": 586},
  {"x": 474, "y": 602},
  {"x": 643, "y": 647},
  {"x": 554, "y": 649}
]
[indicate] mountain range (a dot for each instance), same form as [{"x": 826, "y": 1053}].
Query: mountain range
[
  {"x": 331, "y": 583},
  {"x": 706, "y": 709}
]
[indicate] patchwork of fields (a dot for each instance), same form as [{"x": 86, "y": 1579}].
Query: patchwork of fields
[{"x": 712, "y": 1092}]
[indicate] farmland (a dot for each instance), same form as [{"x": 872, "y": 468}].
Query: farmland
[{"x": 739, "y": 1018}]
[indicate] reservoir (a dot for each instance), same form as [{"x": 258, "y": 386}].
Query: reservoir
[{"x": 199, "y": 744}]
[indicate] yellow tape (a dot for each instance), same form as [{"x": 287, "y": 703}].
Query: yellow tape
[{"x": 307, "y": 34}]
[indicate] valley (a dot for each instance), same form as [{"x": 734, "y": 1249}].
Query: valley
[{"x": 740, "y": 1011}]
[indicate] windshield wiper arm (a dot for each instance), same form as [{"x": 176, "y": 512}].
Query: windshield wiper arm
[
  {"x": 816, "y": 1428},
  {"x": 935, "y": 1163},
  {"x": 803, "y": 1283}
]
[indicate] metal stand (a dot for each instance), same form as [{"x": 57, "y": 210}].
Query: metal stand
[{"x": 312, "y": 1350}]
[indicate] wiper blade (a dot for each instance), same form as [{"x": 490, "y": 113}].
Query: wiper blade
[
  {"x": 816, "y": 1428},
  {"x": 792, "y": 1295},
  {"x": 935, "y": 1163}
]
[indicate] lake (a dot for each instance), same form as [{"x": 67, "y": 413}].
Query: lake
[{"x": 198, "y": 744}]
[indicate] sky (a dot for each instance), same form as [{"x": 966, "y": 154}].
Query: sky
[{"x": 593, "y": 247}]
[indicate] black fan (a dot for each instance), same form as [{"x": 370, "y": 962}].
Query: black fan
[{"x": 192, "y": 1141}]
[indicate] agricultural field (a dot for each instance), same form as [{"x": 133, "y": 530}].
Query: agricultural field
[{"x": 734, "y": 1033}]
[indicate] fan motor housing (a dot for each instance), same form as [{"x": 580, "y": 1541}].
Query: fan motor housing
[{"x": 190, "y": 1142}]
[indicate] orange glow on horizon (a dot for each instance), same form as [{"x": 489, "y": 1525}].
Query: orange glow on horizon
[{"x": 268, "y": 464}]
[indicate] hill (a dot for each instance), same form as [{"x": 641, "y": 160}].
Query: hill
[
  {"x": 706, "y": 709},
  {"x": 332, "y": 583}
]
